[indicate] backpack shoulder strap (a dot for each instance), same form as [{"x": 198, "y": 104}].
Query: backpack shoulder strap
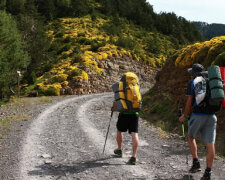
[{"x": 123, "y": 79}]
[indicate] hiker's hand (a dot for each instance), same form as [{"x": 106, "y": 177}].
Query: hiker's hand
[
  {"x": 181, "y": 118},
  {"x": 113, "y": 108}
]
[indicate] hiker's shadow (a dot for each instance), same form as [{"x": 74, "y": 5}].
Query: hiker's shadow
[
  {"x": 181, "y": 149},
  {"x": 62, "y": 169}
]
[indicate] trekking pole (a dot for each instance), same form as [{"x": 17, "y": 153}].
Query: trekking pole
[
  {"x": 180, "y": 114},
  {"x": 107, "y": 131}
]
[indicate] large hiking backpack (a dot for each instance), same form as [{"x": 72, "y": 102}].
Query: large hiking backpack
[
  {"x": 209, "y": 92},
  {"x": 127, "y": 93}
]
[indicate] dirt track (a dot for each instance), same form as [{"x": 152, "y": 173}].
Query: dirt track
[{"x": 66, "y": 139}]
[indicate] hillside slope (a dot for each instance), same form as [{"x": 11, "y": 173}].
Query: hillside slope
[
  {"x": 81, "y": 32},
  {"x": 92, "y": 51},
  {"x": 167, "y": 96}
]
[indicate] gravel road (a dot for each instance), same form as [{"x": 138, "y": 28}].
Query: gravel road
[{"x": 65, "y": 140}]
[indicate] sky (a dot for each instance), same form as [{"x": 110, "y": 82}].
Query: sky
[{"x": 210, "y": 11}]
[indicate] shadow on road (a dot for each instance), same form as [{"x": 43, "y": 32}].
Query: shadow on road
[{"x": 62, "y": 170}]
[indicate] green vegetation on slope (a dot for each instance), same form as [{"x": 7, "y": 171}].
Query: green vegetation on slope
[
  {"x": 131, "y": 26},
  {"x": 78, "y": 42}
]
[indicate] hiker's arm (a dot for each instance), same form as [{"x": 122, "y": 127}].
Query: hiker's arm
[{"x": 187, "y": 109}]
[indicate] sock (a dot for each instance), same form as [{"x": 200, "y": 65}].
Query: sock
[{"x": 208, "y": 169}]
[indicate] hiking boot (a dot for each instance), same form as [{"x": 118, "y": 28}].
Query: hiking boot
[
  {"x": 206, "y": 176},
  {"x": 195, "y": 167},
  {"x": 118, "y": 152},
  {"x": 132, "y": 161}
]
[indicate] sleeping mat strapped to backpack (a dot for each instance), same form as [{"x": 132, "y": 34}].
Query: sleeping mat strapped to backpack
[{"x": 127, "y": 93}]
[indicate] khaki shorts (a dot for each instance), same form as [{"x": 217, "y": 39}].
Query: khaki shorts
[{"x": 205, "y": 125}]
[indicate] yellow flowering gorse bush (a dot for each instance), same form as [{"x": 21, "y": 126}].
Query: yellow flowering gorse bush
[
  {"x": 84, "y": 31},
  {"x": 207, "y": 53}
]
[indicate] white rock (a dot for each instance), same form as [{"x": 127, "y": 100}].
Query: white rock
[{"x": 46, "y": 156}]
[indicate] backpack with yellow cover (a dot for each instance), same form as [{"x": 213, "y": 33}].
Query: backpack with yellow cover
[{"x": 127, "y": 93}]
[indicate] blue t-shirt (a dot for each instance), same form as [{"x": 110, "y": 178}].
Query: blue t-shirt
[{"x": 190, "y": 88}]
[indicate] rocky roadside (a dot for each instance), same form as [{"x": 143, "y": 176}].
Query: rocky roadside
[
  {"x": 15, "y": 118},
  {"x": 113, "y": 68}
]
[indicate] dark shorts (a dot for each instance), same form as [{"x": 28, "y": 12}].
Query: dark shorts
[{"x": 127, "y": 122}]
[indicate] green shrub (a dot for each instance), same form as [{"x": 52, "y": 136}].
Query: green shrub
[
  {"x": 60, "y": 34},
  {"x": 211, "y": 56},
  {"x": 93, "y": 17},
  {"x": 84, "y": 41},
  {"x": 81, "y": 35},
  {"x": 30, "y": 88},
  {"x": 76, "y": 58},
  {"x": 67, "y": 39},
  {"x": 75, "y": 72},
  {"x": 50, "y": 92},
  {"x": 126, "y": 43},
  {"x": 64, "y": 48},
  {"x": 220, "y": 59},
  {"x": 55, "y": 47},
  {"x": 64, "y": 56},
  {"x": 56, "y": 25},
  {"x": 111, "y": 29},
  {"x": 161, "y": 125},
  {"x": 201, "y": 55},
  {"x": 153, "y": 45},
  {"x": 95, "y": 45},
  {"x": 145, "y": 100},
  {"x": 2, "y": 103}
]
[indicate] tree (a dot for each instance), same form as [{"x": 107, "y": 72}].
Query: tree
[
  {"x": 63, "y": 8},
  {"x": 15, "y": 7},
  {"x": 29, "y": 8},
  {"x": 12, "y": 55},
  {"x": 36, "y": 44},
  {"x": 46, "y": 8},
  {"x": 80, "y": 8},
  {"x": 2, "y": 4}
]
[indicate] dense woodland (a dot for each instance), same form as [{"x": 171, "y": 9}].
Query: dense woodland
[
  {"x": 209, "y": 31},
  {"x": 25, "y": 46}
]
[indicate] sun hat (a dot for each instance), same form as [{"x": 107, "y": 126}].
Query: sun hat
[{"x": 196, "y": 69}]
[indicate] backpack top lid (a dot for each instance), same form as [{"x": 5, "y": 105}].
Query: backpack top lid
[{"x": 130, "y": 78}]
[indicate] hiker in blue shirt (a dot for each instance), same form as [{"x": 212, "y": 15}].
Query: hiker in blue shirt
[{"x": 201, "y": 121}]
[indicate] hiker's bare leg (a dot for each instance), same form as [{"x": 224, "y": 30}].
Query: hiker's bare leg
[
  {"x": 210, "y": 155},
  {"x": 135, "y": 141},
  {"x": 119, "y": 139},
  {"x": 193, "y": 147}
]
